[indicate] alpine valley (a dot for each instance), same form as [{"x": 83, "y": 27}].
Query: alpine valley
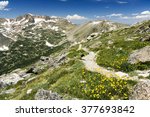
[{"x": 50, "y": 58}]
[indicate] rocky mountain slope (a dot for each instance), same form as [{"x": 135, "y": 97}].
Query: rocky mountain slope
[
  {"x": 93, "y": 29},
  {"x": 106, "y": 61},
  {"x": 41, "y": 34},
  {"x": 27, "y": 25}
]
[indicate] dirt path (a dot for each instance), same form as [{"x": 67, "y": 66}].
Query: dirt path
[{"x": 91, "y": 65}]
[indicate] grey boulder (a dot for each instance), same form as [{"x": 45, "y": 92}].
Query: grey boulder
[
  {"x": 141, "y": 55},
  {"x": 47, "y": 95}
]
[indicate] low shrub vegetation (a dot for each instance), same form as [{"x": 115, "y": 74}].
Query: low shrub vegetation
[{"x": 99, "y": 87}]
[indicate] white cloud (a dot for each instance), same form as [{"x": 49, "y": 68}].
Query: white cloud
[
  {"x": 115, "y": 15},
  {"x": 75, "y": 17},
  {"x": 122, "y": 2},
  {"x": 3, "y": 5},
  {"x": 118, "y": 15},
  {"x": 125, "y": 17},
  {"x": 129, "y": 19},
  {"x": 99, "y": 17},
  {"x": 143, "y": 15}
]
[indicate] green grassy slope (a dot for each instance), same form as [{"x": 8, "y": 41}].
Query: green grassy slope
[
  {"x": 26, "y": 51},
  {"x": 116, "y": 46}
]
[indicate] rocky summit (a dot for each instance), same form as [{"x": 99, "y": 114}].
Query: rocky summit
[{"x": 50, "y": 58}]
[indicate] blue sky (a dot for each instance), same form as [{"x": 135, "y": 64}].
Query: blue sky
[{"x": 78, "y": 11}]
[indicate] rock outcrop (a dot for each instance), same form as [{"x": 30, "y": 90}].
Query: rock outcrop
[
  {"x": 144, "y": 73},
  {"x": 47, "y": 95},
  {"x": 10, "y": 91},
  {"x": 146, "y": 38},
  {"x": 141, "y": 90},
  {"x": 9, "y": 80},
  {"x": 141, "y": 55},
  {"x": 13, "y": 78}
]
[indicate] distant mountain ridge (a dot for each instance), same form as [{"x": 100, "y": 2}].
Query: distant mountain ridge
[
  {"x": 94, "y": 28},
  {"x": 30, "y": 26},
  {"x": 28, "y": 23}
]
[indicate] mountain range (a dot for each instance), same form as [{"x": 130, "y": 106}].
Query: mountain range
[{"x": 43, "y": 57}]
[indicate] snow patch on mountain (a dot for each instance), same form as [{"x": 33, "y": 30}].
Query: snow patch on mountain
[
  {"x": 4, "y": 48},
  {"x": 55, "y": 28},
  {"x": 37, "y": 20},
  {"x": 49, "y": 44},
  {"x": 52, "y": 20},
  {"x": 7, "y": 22}
]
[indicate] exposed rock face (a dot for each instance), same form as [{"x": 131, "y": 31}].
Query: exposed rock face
[
  {"x": 10, "y": 91},
  {"x": 43, "y": 58},
  {"x": 33, "y": 70},
  {"x": 92, "y": 36},
  {"x": 141, "y": 91},
  {"x": 13, "y": 78},
  {"x": 146, "y": 38},
  {"x": 47, "y": 95},
  {"x": 54, "y": 62},
  {"x": 144, "y": 73},
  {"x": 37, "y": 68},
  {"x": 143, "y": 29},
  {"x": 9, "y": 80},
  {"x": 141, "y": 55}
]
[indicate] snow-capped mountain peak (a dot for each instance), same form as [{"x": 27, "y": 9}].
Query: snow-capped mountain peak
[{"x": 19, "y": 26}]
